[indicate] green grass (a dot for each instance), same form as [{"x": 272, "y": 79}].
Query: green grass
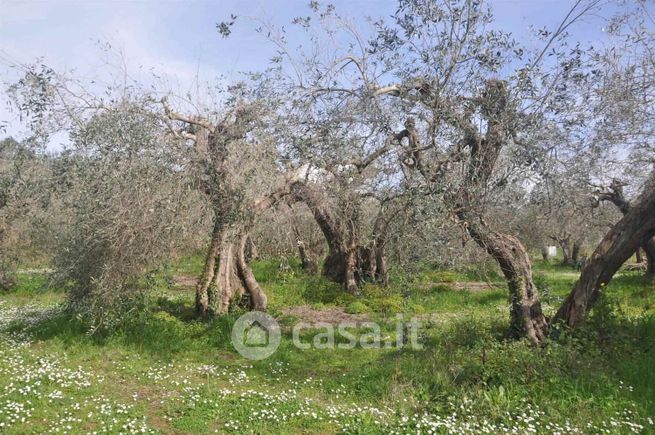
[{"x": 168, "y": 372}]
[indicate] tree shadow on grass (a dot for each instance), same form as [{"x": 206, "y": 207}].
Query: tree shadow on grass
[
  {"x": 155, "y": 332},
  {"x": 491, "y": 297},
  {"x": 588, "y": 367},
  {"x": 178, "y": 308}
]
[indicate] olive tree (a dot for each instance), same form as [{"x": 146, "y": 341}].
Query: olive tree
[
  {"x": 130, "y": 206},
  {"x": 235, "y": 165}
]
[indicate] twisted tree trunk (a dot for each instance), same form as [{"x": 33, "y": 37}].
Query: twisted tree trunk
[
  {"x": 649, "y": 249},
  {"x": 227, "y": 284},
  {"x": 378, "y": 259},
  {"x": 575, "y": 252},
  {"x": 614, "y": 194},
  {"x": 564, "y": 242},
  {"x": 334, "y": 266},
  {"x": 307, "y": 258},
  {"x": 635, "y": 228},
  {"x": 226, "y": 273},
  {"x": 258, "y": 299},
  {"x": 347, "y": 262},
  {"x": 526, "y": 317},
  {"x": 467, "y": 203},
  {"x": 219, "y": 281},
  {"x": 209, "y": 270},
  {"x": 307, "y": 261}
]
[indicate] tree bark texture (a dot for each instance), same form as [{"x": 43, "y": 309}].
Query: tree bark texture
[
  {"x": 614, "y": 194},
  {"x": 347, "y": 262},
  {"x": 526, "y": 316},
  {"x": 636, "y": 228}
]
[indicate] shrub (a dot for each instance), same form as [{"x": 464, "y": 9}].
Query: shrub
[
  {"x": 127, "y": 213},
  {"x": 356, "y": 307},
  {"x": 439, "y": 276},
  {"x": 370, "y": 290},
  {"x": 387, "y": 305}
]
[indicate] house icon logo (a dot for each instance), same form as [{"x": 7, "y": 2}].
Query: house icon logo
[{"x": 256, "y": 335}]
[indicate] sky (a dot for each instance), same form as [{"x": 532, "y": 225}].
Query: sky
[{"x": 178, "y": 40}]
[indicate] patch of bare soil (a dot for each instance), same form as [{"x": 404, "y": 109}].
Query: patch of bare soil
[
  {"x": 185, "y": 281},
  {"x": 472, "y": 286},
  {"x": 333, "y": 315}
]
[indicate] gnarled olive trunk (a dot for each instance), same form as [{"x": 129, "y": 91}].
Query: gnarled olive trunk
[
  {"x": 209, "y": 270},
  {"x": 347, "y": 262},
  {"x": 227, "y": 283},
  {"x": 564, "y": 242},
  {"x": 526, "y": 316},
  {"x": 334, "y": 266},
  {"x": 258, "y": 300},
  {"x": 227, "y": 275},
  {"x": 307, "y": 260},
  {"x": 575, "y": 252},
  {"x": 252, "y": 252},
  {"x": 649, "y": 249},
  {"x": 614, "y": 194},
  {"x": 378, "y": 260},
  {"x": 467, "y": 202},
  {"x": 636, "y": 228}
]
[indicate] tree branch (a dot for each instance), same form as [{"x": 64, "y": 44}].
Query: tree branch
[{"x": 200, "y": 122}]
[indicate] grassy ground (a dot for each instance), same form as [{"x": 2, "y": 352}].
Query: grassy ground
[{"x": 165, "y": 372}]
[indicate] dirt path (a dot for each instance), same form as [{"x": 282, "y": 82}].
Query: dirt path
[
  {"x": 304, "y": 313},
  {"x": 185, "y": 281},
  {"x": 332, "y": 315},
  {"x": 472, "y": 286}
]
